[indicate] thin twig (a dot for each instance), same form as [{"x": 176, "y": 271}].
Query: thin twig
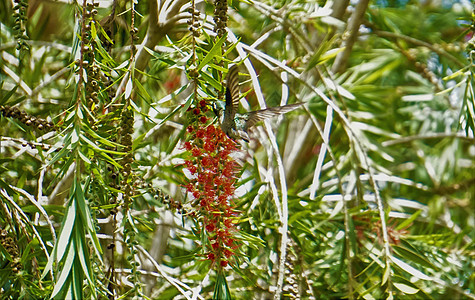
[
  {"x": 438, "y": 135},
  {"x": 417, "y": 42},
  {"x": 60, "y": 47}
]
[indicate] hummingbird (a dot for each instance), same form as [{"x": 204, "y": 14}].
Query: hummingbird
[{"x": 236, "y": 125}]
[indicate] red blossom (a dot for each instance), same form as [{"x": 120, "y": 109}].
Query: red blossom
[
  {"x": 189, "y": 187},
  {"x": 229, "y": 242},
  {"x": 227, "y": 172},
  {"x": 228, "y": 223},
  {"x": 228, "y": 213},
  {"x": 228, "y": 252},
  {"x": 209, "y": 147},
  {"x": 224, "y": 153},
  {"x": 229, "y": 189},
  {"x": 192, "y": 169},
  {"x": 206, "y": 161},
  {"x": 210, "y": 227},
  {"x": 195, "y": 152},
  {"x": 203, "y": 178},
  {"x": 210, "y": 130},
  {"x": 200, "y": 133},
  {"x": 222, "y": 233},
  {"x": 213, "y": 184},
  {"x": 222, "y": 200}
]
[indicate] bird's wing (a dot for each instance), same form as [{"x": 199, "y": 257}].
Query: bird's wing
[
  {"x": 232, "y": 91},
  {"x": 259, "y": 115}
]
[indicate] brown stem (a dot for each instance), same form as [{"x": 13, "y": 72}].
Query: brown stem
[
  {"x": 354, "y": 24},
  {"x": 339, "y": 8}
]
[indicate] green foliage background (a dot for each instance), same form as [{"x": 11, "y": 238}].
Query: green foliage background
[{"x": 367, "y": 192}]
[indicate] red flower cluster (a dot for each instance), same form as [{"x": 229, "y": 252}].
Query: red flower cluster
[{"x": 212, "y": 184}]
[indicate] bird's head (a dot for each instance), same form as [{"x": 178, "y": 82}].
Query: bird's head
[{"x": 218, "y": 109}]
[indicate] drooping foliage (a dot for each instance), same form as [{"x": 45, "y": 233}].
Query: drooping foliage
[{"x": 117, "y": 182}]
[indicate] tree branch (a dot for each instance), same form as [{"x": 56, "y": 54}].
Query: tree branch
[
  {"x": 417, "y": 42},
  {"x": 353, "y": 26}
]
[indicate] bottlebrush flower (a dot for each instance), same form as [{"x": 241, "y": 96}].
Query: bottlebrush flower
[{"x": 212, "y": 185}]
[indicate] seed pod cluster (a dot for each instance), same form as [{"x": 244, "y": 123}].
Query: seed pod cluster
[
  {"x": 94, "y": 74},
  {"x": 194, "y": 22},
  {"x": 25, "y": 118},
  {"x": 33, "y": 145},
  {"x": 164, "y": 198},
  {"x": 422, "y": 69},
  {"x": 11, "y": 246},
  {"x": 291, "y": 286},
  {"x": 19, "y": 28},
  {"x": 113, "y": 180},
  {"x": 127, "y": 186},
  {"x": 220, "y": 17},
  {"x": 125, "y": 131}
]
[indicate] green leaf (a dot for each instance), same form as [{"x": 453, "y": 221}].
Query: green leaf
[
  {"x": 324, "y": 53},
  {"x": 5, "y": 253},
  {"x": 250, "y": 240},
  {"x": 210, "y": 80},
  {"x": 142, "y": 92},
  {"x": 77, "y": 281},
  {"x": 87, "y": 218},
  {"x": 408, "y": 221},
  {"x": 413, "y": 256},
  {"x": 105, "y": 34},
  {"x": 84, "y": 158},
  {"x": 409, "y": 269},
  {"x": 406, "y": 289},
  {"x": 97, "y": 148},
  {"x": 82, "y": 253},
  {"x": 221, "y": 289},
  {"x": 62, "y": 153},
  {"x": 386, "y": 274},
  {"x": 128, "y": 88},
  {"x": 63, "y": 283},
  {"x": 93, "y": 30},
  {"x": 214, "y": 52},
  {"x": 8, "y": 95},
  {"x": 66, "y": 228}
]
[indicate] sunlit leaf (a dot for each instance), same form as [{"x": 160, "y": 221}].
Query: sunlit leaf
[{"x": 405, "y": 288}]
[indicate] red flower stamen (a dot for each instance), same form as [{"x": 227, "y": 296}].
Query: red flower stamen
[{"x": 213, "y": 184}]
